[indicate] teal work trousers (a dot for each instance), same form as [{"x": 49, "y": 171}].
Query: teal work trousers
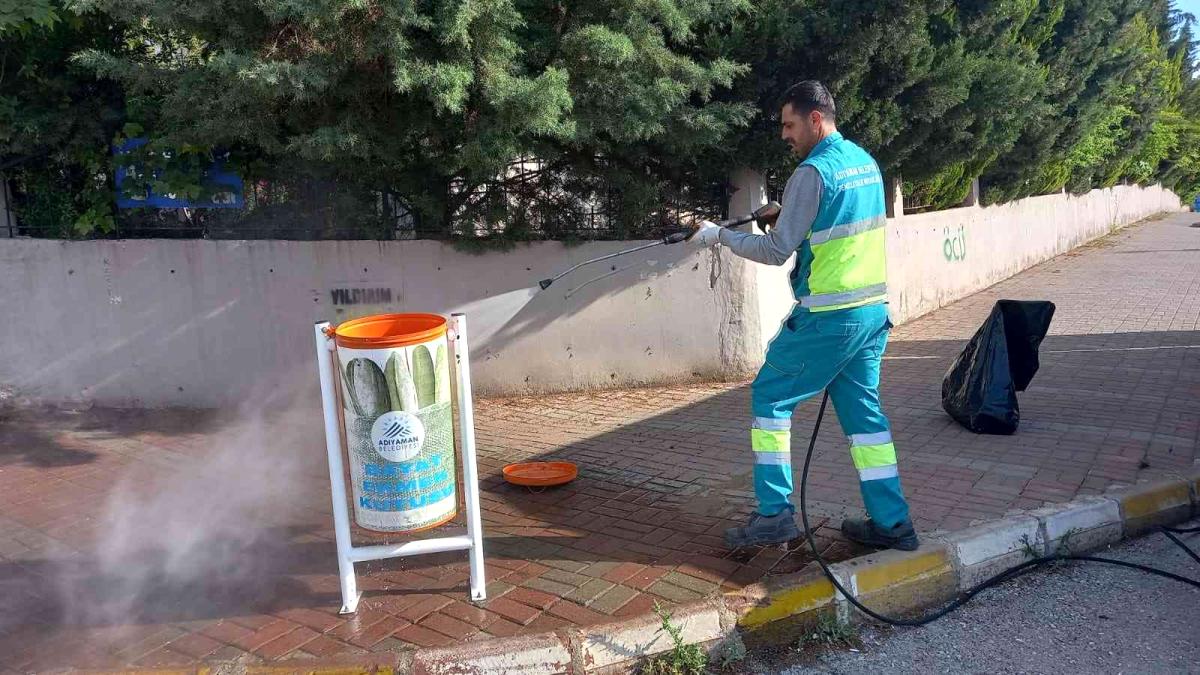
[{"x": 840, "y": 350}]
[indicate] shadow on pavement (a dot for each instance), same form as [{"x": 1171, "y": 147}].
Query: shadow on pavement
[{"x": 662, "y": 473}]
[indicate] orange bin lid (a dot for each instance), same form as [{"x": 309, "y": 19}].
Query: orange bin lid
[
  {"x": 541, "y": 474},
  {"x": 389, "y": 330}
]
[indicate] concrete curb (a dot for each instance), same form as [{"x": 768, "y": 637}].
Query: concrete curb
[
  {"x": 1145, "y": 507},
  {"x": 544, "y": 653},
  {"x": 781, "y": 608}
]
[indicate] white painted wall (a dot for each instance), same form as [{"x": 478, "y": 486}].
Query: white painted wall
[
  {"x": 165, "y": 322},
  {"x": 210, "y": 323},
  {"x": 771, "y": 297},
  {"x": 939, "y": 257}
]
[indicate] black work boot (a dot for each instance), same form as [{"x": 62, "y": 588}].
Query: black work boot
[
  {"x": 867, "y": 533},
  {"x": 764, "y": 530}
]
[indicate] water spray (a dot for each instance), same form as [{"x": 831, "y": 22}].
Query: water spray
[{"x": 766, "y": 213}]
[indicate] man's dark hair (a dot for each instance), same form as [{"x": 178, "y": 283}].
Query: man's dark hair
[{"x": 808, "y": 96}]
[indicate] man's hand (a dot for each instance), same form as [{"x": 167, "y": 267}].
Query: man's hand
[
  {"x": 707, "y": 234},
  {"x": 767, "y": 216}
]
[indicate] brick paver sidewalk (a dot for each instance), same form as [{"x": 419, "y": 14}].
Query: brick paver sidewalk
[{"x": 162, "y": 538}]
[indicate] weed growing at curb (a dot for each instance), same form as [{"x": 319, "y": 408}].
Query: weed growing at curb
[
  {"x": 831, "y": 631},
  {"x": 732, "y": 652},
  {"x": 683, "y": 659},
  {"x": 1067, "y": 538},
  {"x": 1027, "y": 547}
]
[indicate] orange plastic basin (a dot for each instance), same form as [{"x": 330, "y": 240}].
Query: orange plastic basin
[
  {"x": 540, "y": 474},
  {"x": 389, "y": 330}
]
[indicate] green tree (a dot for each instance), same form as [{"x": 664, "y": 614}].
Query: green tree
[
  {"x": 1179, "y": 126},
  {"x": 433, "y": 101},
  {"x": 879, "y": 59},
  {"x": 517, "y": 118},
  {"x": 56, "y": 118},
  {"x": 996, "y": 46},
  {"x": 908, "y": 76},
  {"x": 1101, "y": 53}
]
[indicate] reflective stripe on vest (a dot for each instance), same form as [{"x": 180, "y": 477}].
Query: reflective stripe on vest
[
  {"x": 849, "y": 267},
  {"x": 847, "y": 230},
  {"x": 858, "y": 296},
  {"x": 846, "y": 264}
]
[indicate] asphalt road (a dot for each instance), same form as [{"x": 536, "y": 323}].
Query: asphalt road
[{"x": 1078, "y": 618}]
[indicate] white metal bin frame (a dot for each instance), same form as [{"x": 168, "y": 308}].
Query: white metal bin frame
[{"x": 471, "y": 540}]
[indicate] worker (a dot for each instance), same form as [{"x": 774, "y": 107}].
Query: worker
[{"x": 833, "y": 218}]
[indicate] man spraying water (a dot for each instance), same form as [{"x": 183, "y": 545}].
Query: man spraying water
[{"x": 833, "y": 218}]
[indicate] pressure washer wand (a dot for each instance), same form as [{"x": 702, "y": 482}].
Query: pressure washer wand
[
  {"x": 545, "y": 283},
  {"x": 768, "y": 212}
]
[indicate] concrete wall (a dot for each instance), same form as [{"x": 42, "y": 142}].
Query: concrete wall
[
  {"x": 210, "y": 323},
  {"x": 939, "y": 257},
  {"x": 163, "y": 322}
]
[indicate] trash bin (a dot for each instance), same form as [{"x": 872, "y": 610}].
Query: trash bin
[
  {"x": 397, "y": 415},
  {"x": 980, "y": 389}
]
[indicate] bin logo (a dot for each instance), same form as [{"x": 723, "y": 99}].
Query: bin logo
[{"x": 398, "y": 436}]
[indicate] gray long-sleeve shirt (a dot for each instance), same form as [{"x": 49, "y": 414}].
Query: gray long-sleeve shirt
[{"x": 801, "y": 198}]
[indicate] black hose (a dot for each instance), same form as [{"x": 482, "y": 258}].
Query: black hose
[
  {"x": 1135, "y": 566},
  {"x": 1180, "y": 544},
  {"x": 965, "y": 596}
]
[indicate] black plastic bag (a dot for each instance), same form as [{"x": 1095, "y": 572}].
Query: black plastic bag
[{"x": 980, "y": 389}]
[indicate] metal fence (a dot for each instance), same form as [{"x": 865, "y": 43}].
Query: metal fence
[{"x": 531, "y": 200}]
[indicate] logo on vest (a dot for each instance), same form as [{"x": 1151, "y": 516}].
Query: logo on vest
[{"x": 398, "y": 436}]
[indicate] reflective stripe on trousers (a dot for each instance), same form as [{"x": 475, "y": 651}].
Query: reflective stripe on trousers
[
  {"x": 771, "y": 440},
  {"x": 874, "y": 455}
]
